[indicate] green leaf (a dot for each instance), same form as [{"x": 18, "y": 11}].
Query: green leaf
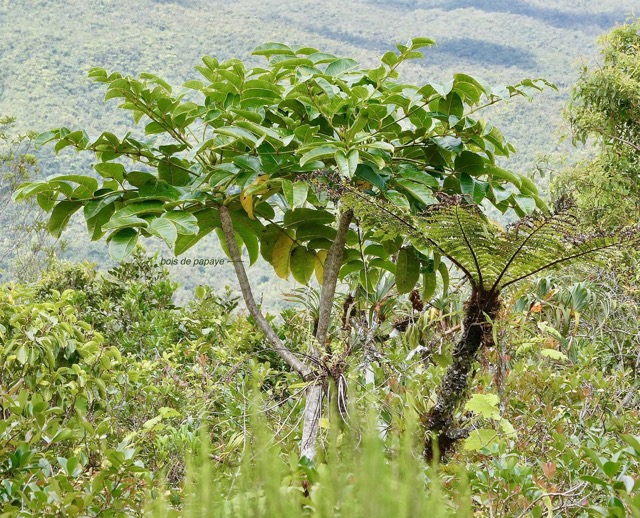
[
  {"x": 269, "y": 236},
  {"x": 526, "y": 203},
  {"x": 302, "y": 264},
  {"x": 45, "y": 137},
  {"x": 554, "y": 354},
  {"x": 21, "y": 354},
  {"x": 470, "y": 163},
  {"x": 91, "y": 184},
  {"x": 271, "y": 49},
  {"x": 468, "y": 88},
  {"x": 367, "y": 173},
  {"x": 340, "y": 66},
  {"x": 250, "y": 241},
  {"x": 449, "y": 143},
  {"x": 419, "y": 43},
  {"x": 173, "y": 173},
  {"x": 207, "y": 219},
  {"x": 122, "y": 243},
  {"x": 185, "y": 222},
  {"x": 418, "y": 191},
  {"x": 318, "y": 153},
  {"x": 476, "y": 189},
  {"x": 407, "y": 269},
  {"x": 164, "y": 229},
  {"x": 298, "y": 216},
  {"x": 110, "y": 170},
  {"x": 60, "y": 216},
  {"x": 485, "y": 405},
  {"x": 479, "y": 439}
]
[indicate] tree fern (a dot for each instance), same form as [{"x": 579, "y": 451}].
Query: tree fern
[{"x": 492, "y": 258}]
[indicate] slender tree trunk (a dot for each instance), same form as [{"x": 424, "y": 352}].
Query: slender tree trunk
[
  {"x": 285, "y": 353},
  {"x": 453, "y": 391},
  {"x": 311, "y": 419},
  {"x": 315, "y": 392}
]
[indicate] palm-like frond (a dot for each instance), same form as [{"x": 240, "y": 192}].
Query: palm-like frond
[{"x": 492, "y": 257}]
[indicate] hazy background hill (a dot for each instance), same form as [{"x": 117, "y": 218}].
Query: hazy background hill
[{"x": 47, "y": 46}]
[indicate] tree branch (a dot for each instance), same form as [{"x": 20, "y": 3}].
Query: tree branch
[
  {"x": 330, "y": 278},
  {"x": 284, "y": 352}
]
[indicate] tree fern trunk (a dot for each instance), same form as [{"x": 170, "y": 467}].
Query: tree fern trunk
[{"x": 454, "y": 389}]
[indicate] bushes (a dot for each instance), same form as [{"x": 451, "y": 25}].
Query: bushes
[{"x": 103, "y": 419}]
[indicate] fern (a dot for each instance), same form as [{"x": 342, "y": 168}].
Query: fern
[{"x": 492, "y": 257}]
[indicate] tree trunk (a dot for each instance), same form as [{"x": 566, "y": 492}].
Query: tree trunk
[
  {"x": 453, "y": 392},
  {"x": 315, "y": 392},
  {"x": 311, "y": 419}
]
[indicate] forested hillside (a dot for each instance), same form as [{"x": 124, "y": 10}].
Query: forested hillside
[{"x": 47, "y": 48}]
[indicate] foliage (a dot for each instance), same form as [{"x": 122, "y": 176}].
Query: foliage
[
  {"x": 491, "y": 257},
  {"x": 249, "y": 143},
  {"x": 24, "y": 247},
  {"x": 606, "y": 108}
]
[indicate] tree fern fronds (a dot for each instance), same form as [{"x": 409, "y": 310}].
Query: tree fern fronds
[{"x": 490, "y": 256}]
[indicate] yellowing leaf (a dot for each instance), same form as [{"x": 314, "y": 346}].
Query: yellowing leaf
[
  {"x": 321, "y": 256},
  {"x": 247, "y": 204},
  {"x": 281, "y": 256}
]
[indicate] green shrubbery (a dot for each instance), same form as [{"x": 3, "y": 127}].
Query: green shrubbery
[{"x": 100, "y": 420}]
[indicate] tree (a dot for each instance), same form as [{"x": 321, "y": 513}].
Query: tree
[
  {"x": 605, "y": 107},
  {"x": 249, "y": 153},
  {"x": 22, "y": 226},
  {"x": 492, "y": 259}
]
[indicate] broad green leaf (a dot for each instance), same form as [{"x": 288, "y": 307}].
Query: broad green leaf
[
  {"x": 367, "y": 173},
  {"x": 271, "y": 49},
  {"x": 185, "y": 222},
  {"x": 418, "y": 43},
  {"x": 207, "y": 220},
  {"x": 60, "y": 216},
  {"x": 250, "y": 241},
  {"x": 137, "y": 208},
  {"x": 164, "y": 229},
  {"x": 485, "y": 405},
  {"x": 91, "y": 184},
  {"x": 110, "y": 170},
  {"x": 479, "y": 439},
  {"x": 298, "y": 216},
  {"x": 468, "y": 88},
  {"x": 340, "y": 66},
  {"x": 407, "y": 269},
  {"x": 318, "y": 153},
  {"x": 417, "y": 190},
  {"x": 124, "y": 222},
  {"x": 470, "y": 163},
  {"x": 173, "y": 173},
  {"x": 526, "y": 203},
  {"x": 269, "y": 236},
  {"x": 554, "y": 354},
  {"x": 302, "y": 264},
  {"x": 476, "y": 189},
  {"x": 122, "y": 243},
  {"x": 429, "y": 285}
]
